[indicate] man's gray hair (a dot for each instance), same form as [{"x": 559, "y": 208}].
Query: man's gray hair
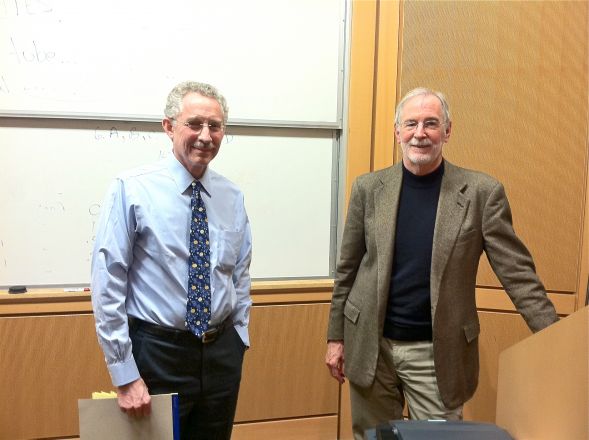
[
  {"x": 174, "y": 101},
  {"x": 425, "y": 92}
]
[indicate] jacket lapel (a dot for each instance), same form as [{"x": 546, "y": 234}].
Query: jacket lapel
[
  {"x": 386, "y": 203},
  {"x": 452, "y": 209}
]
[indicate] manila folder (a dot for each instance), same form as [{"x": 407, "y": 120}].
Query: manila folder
[{"x": 103, "y": 419}]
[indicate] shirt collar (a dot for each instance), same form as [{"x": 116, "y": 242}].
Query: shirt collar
[{"x": 184, "y": 179}]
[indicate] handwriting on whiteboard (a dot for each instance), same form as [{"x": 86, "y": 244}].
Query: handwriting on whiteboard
[
  {"x": 114, "y": 132},
  {"x": 23, "y": 8}
]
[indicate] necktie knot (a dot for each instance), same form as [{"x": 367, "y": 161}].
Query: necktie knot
[{"x": 196, "y": 188}]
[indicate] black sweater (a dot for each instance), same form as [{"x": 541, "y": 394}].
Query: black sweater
[{"x": 408, "y": 315}]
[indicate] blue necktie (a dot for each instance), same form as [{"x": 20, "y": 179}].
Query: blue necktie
[{"x": 198, "y": 305}]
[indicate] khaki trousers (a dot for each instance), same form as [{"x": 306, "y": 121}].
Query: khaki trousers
[{"x": 405, "y": 370}]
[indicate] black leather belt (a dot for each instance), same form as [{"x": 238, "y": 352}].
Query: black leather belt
[
  {"x": 176, "y": 334},
  {"x": 213, "y": 333}
]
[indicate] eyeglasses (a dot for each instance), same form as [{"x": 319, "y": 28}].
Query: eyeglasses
[
  {"x": 428, "y": 125},
  {"x": 196, "y": 125}
]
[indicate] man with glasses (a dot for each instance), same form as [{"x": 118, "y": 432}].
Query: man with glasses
[
  {"x": 403, "y": 322},
  {"x": 170, "y": 274}
]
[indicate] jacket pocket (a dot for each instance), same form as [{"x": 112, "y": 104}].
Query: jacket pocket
[
  {"x": 467, "y": 236},
  {"x": 351, "y": 312},
  {"x": 471, "y": 331}
]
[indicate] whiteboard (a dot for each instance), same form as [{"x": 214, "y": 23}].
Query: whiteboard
[
  {"x": 56, "y": 173},
  {"x": 277, "y": 60}
]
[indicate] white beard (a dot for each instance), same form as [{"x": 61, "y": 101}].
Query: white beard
[{"x": 421, "y": 159}]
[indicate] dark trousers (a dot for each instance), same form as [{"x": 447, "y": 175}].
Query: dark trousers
[{"x": 205, "y": 376}]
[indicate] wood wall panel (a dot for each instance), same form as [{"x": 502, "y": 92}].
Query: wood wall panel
[
  {"x": 515, "y": 74},
  {"x": 498, "y": 300},
  {"x": 498, "y": 332},
  {"x": 284, "y": 371},
  {"x": 46, "y": 364},
  {"x": 312, "y": 428},
  {"x": 56, "y": 359}
]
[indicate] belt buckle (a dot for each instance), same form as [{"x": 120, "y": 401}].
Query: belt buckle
[{"x": 210, "y": 335}]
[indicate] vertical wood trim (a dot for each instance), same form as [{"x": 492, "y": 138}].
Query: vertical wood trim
[
  {"x": 397, "y": 153},
  {"x": 361, "y": 93},
  {"x": 386, "y": 83},
  {"x": 583, "y": 284},
  {"x": 345, "y": 426},
  {"x": 584, "y": 264},
  {"x": 360, "y": 141}
]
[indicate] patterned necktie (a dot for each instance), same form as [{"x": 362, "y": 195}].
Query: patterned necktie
[{"x": 198, "y": 305}]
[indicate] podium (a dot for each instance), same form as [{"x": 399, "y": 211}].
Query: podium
[{"x": 542, "y": 390}]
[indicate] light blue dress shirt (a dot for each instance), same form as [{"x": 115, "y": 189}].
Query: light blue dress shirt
[{"x": 140, "y": 258}]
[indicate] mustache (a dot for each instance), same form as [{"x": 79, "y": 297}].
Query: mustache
[{"x": 420, "y": 143}]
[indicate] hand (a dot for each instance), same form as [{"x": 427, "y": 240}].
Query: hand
[
  {"x": 334, "y": 359},
  {"x": 134, "y": 399}
]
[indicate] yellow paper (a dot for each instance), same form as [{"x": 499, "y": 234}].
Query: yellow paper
[{"x": 103, "y": 395}]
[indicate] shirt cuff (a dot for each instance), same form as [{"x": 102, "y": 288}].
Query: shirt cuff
[
  {"x": 243, "y": 334},
  {"x": 123, "y": 373}
]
